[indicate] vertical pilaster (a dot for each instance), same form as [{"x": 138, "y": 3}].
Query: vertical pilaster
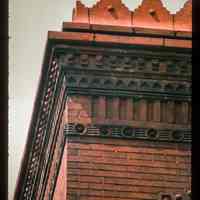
[
  {"x": 185, "y": 112},
  {"x": 109, "y": 107},
  {"x": 136, "y": 109},
  {"x": 170, "y": 114},
  {"x": 150, "y": 112},
  {"x": 95, "y": 106},
  {"x": 102, "y": 107},
  {"x": 123, "y": 108},
  {"x": 143, "y": 109},
  {"x": 178, "y": 112},
  {"x": 157, "y": 111},
  {"x": 189, "y": 112},
  {"x": 115, "y": 113},
  {"x": 163, "y": 111},
  {"x": 129, "y": 113}
]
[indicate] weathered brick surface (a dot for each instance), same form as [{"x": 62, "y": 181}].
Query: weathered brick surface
[
  {"x": 117, "y": 169},
  {"x": 78, "y": 109}
]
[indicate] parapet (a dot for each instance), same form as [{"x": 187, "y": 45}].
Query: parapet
[{"x": 151, "y": 16}]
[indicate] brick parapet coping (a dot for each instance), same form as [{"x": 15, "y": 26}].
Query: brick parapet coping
[
  {"x": 149, "y": 15},
  {"x": 110, "y": 21}
]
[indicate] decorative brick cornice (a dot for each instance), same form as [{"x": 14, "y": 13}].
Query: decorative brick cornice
[
  {"x": 140, "y": 63},
  {"x": 159, "y": 89},
  {"x": 85, "y": 72},
  {"x": 32, "y": 166},
  {"x": 129, "y": 132},
  {"x": 150, "y": 15},
  {"x": 55, "y": 142},
  {"x": 40, "y": 130},
  {"x": 162, "y": 75}
]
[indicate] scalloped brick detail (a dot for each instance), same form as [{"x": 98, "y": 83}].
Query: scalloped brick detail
[
  {"x": 152, "y": 14},
  {"x": 80, "y": 13},
  {"x": 110, "y": 12},
  {"x": 183, "y": 18}
]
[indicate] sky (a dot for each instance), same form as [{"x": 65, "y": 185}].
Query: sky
[{"x": 29, "y": 23}]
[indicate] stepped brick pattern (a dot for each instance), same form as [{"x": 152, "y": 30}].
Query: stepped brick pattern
[
  {"x": 112, "y": 116},
  {"x": 150, "y": 14}
]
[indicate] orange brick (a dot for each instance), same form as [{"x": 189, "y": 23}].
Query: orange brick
[
  {"x": 178, "y": 43},
  {"x": 161, "y": 19},
  {"x": 70, "y": 36},
  {"x": 72, "y": 26},
  {"x": 129, "y": 40},
  {"x": 120, "y": 15},
  {"x": 183, "y": 18},
  {"x": 80, "y": 13}
]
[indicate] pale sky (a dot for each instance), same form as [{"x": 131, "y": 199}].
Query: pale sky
[{"x": 30, "y": 21}]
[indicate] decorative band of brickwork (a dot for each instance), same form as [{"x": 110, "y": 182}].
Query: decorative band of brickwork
[
  {"x": 149, "y": 14},
  {"x": 127, "y": 71},
  {"x": 129, "y": 85},
  {"x": 40, "y": 130},
  {"x": 128, "y": 132},
  {"x": 156, "y": 65}
]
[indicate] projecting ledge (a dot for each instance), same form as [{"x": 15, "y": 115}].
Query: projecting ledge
[
  {"x": 120, "y": 39},
  {"x": 125, "y": 30}
]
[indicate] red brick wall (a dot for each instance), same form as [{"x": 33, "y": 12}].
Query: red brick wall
[
  {"x": 61, "y": 184},
  {"x": 113, "y": 169},
  {"x": 122, "y": 169}
]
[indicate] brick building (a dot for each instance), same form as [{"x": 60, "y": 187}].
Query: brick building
[{"x": 112, "y": 116}]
